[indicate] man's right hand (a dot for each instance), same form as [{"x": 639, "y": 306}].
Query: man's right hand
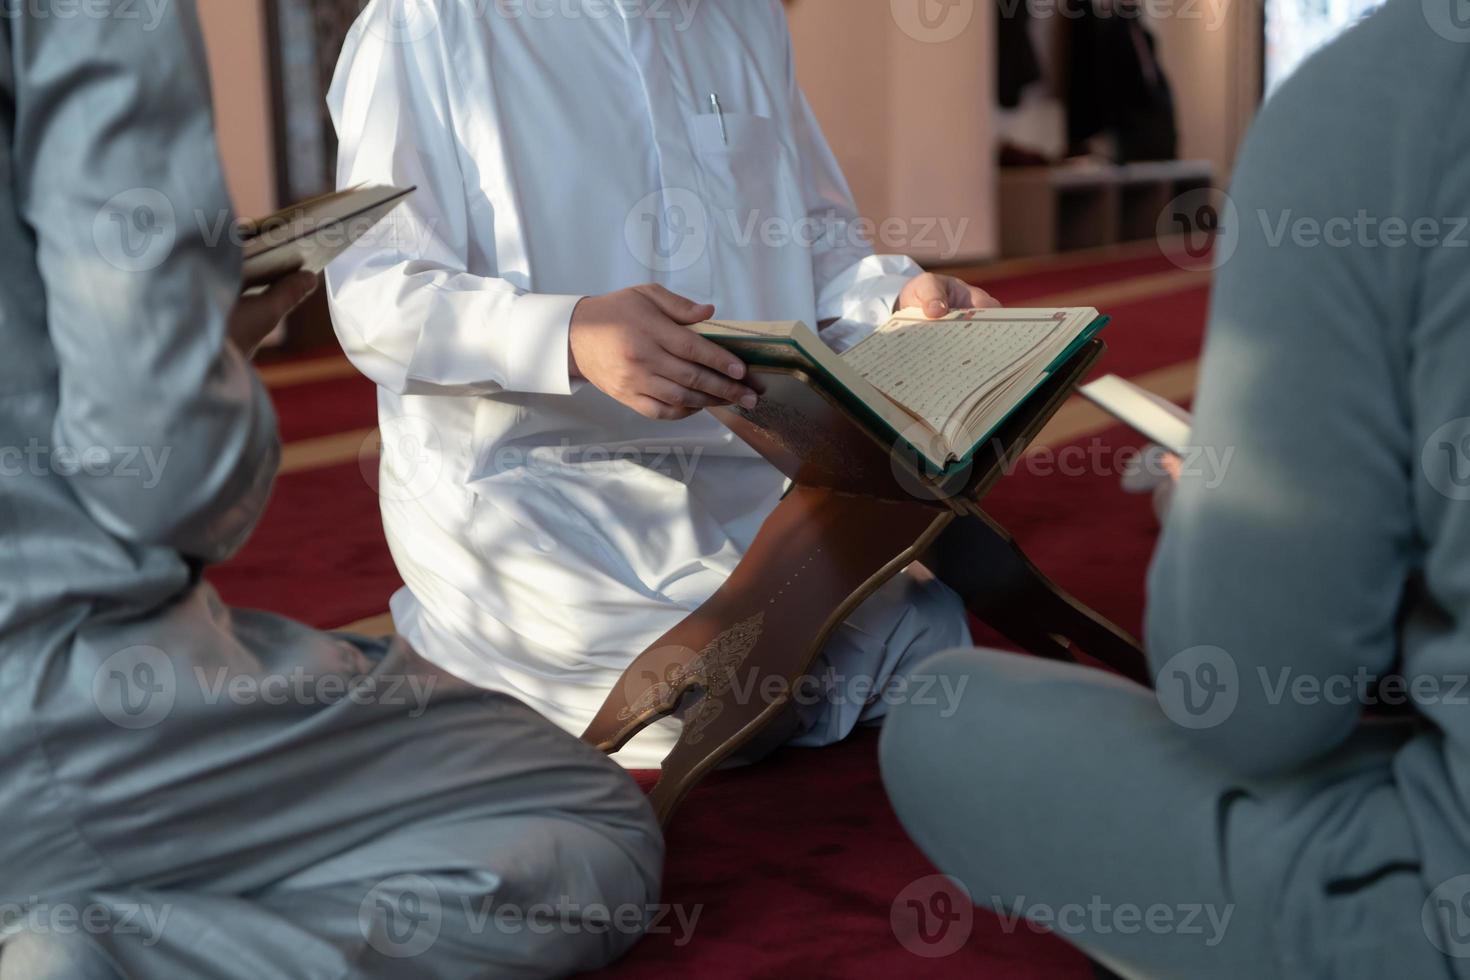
[
  {"x": 636, "y": 346},
  {"x": 255, "y": 316}
]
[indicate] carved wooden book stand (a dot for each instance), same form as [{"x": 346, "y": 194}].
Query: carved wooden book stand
[{"x": 858, "y": 513}]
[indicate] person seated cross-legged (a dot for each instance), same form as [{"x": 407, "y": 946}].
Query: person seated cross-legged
[
  {"x": 1261, "y": 815},
  {"x": 188, "y": 790}
]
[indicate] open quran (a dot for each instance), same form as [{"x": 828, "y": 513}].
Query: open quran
[{"x": 940, "y": 386}]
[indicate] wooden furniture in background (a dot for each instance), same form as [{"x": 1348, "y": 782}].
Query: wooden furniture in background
[{"x": 1045, "y": 210}]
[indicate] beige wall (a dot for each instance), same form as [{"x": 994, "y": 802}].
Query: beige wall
[
  {"x": 909, "y": 119},
  {"x": 1211, "y": 52},
  {"x": 871, "y": 84},
  {"x": 880, "y": 94},
  {"x": 234, "y": 32}
]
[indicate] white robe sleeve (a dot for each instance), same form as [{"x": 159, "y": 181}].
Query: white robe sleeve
[
  {"x": 407, "y": 310},
  {"x": 854, "y": 286},
  {"x": 119, "y": 177}
]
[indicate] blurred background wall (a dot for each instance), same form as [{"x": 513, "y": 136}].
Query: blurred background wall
[
  {"x": 234, "y": 32},
  {"x": 910, "y": 109}
]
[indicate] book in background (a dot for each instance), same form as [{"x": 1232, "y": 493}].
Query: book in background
[{"x": 307, "y": 236}]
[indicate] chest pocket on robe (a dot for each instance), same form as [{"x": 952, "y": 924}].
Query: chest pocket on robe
[{"x": 747, "y": 183}]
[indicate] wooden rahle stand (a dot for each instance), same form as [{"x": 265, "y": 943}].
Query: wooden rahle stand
[{"x": 859, "y": 511}]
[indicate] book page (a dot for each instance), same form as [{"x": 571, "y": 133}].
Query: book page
[
  {"x": 935, "y": 367},
  {"x": 1149, "y": 415}
]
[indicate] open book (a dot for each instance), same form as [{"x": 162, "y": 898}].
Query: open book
[
  {"x": 1156, "y": 419},
  {"x": 308, "y": 236},
  {"x": 942, "y": 386}
]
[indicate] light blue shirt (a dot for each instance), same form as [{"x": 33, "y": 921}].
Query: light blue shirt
[
  {"x": 1337, "y": 368},
  {"x": 135, "y": 443}
]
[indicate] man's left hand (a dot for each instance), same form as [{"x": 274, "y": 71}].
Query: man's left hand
[{"x": 937, "y": 295}]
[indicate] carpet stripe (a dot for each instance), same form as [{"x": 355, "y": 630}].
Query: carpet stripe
[
  {"x": 372, "y": 626},
  {"x": 303, "y": 372},
  {"x": 311, "y": 454},
  {"x": 1077, "y": 260},
  {"x": 325, "y": 407},
  {"x": 1128, "y": 291}
]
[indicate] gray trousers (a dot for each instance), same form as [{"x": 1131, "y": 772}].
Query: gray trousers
[
  {"x": 196, "y": 795},
  {"x": 1060, "y": 795}
]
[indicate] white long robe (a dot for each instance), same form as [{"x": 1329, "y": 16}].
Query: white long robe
[{"x": 547, "y": 534}]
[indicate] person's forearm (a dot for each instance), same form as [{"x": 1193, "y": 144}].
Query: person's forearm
[{"x": 419, "y": 329}]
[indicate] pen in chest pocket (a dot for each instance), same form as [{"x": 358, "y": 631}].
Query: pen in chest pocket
[{"x": 719, "y": 111}]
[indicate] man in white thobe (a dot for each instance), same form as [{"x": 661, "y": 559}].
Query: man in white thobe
[{"x": 592, "y": 178}]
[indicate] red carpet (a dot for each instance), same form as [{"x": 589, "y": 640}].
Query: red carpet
[
  {"x": 324, "y": 408},
  {"x": 792, "y": 866},
  {"x": 1046, "y": 276}
]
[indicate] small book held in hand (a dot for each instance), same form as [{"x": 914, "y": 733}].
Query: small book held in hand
[
  {"x": 306, "y": 237},
  {"x": 941, "y": 386},
  {"x": 1157, "y": 419}
]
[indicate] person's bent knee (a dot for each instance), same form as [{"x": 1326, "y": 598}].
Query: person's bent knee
[
  {"x": 948, "y": 693},
  {"x": 610, "y": 828},
  {"x": 608, "y": 895},
  {"x": 982, "y": 718},
  {"x": 623, "y": 815},
  {"x": 589, "y": 788},
  {"x": 926, "y": 737}
]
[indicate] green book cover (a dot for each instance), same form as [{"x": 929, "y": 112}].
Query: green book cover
[{"x": 786, "y": 352}]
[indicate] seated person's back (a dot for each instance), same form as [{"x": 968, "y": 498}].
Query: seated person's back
[{"x": 1334, "y": 554}]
